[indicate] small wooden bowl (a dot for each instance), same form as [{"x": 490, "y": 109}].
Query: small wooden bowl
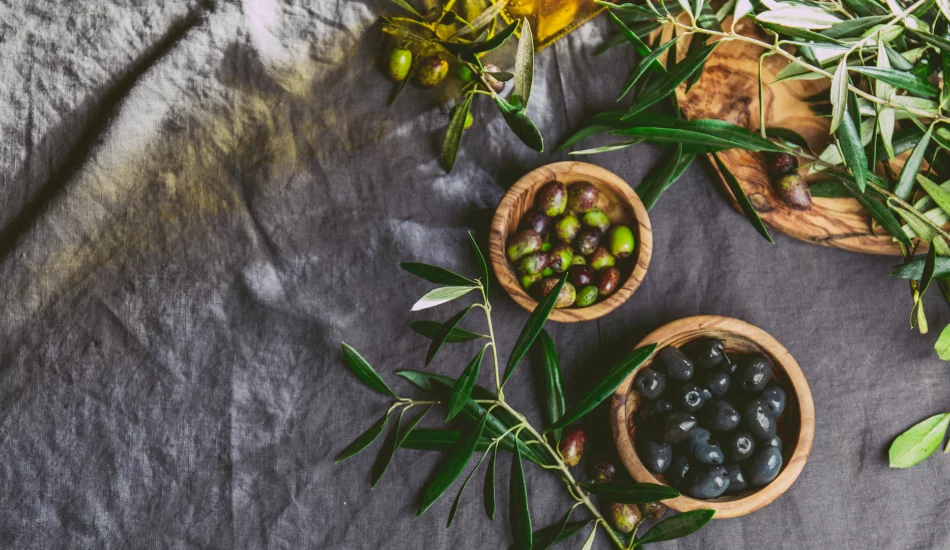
[
  {"x": 796, "y": 425},
  {"x": 617, "y": 200}
]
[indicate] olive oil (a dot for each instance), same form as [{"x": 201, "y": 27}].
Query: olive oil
[{"x": 551, "y": 19}]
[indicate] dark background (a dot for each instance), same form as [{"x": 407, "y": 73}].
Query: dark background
[{"x": 200, "y": 201}]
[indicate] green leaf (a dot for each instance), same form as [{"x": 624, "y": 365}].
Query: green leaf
[
  {"x": 406, "y": 6},
  {"x": 940, "y": 195},
  {"x": 677, "y": 526},
  {"x": 482, "y": 265},
  {"x": 906, "y": 81},
  {"x": 476, "y": 47},
  {"x": 666, "y": 84},
  {"x": 386, "y": 453},
  {"x": 589, "y": 543},
  {"x": 554, "y": 403},
  {"x": 547, "y": 537},
  {"x": 663, "y": 174},
  {"x": 829, "y": 189},
  {"x": 630, "y": 492},
  {"x": 917, "y": 222},
  {"x": 519, "y": 514},
  {"x": 435, "y": 274},
  {"x": 364, "y": 440},
  {"x": 744, "y": 203},
  {"x": 803, "y": 34},
  {"x": 686, "y": 7},
  {"x": 453, "y": 134},
  {"x": 365, "y": 372},
  {"x": 462, "y": 391},
  {"x": 919, "y": 442},
  {"x": 441, "y": 295},
  {"x": 488, "y": 492},
  {"x": 743, "y": 8},
  {"x": 854, "y": 27},
  {"x": 605, "y": 387},
  {"x": 914, "y": 269},
  {"x": 839, "y": 93},
  {"x": 940, "y": 43},
  {"x": 532, "y": 328},
  {"x": 607, "y": 148},
  {"x": 443, "y": 333},
  {"x": 524, "y": 63},
  {"x": 942, "y": 346},
  {"x": 639, "y": 45},
  {"x": 802, "y": 17},
  {"x": 849, "y": 139},
  {"x": 675, "y": 136},
  {"x": 458, "y": 498},
  {"x": 583, "y": 133},
  {"x": 426, "y": 439},
  {"x": 483, "y": 18},
  {"x": 642, "y": 67},
  {"x": 430, "y": 328},
  {"x": 453, "y": 467},
  {"x": 521, "y": 125},
  {"x": 569, "y": 531},
  {"x": 406, "y": 430},
  {"x": 897, "y": 60}
]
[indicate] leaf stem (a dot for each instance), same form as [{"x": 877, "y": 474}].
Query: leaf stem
[{"x": 486, "y": 306}]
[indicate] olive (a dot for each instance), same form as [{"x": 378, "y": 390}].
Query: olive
[
  {"x": 708, "y": 483},
  {"x": 582, "y": 196},
  {"x": 716, "y": 382},
  {"x": 706, "y": 352},
  {"x": 728, "y": 366},
  {"x": 755, "y": 371},
  {"x": 608, "y": 281},
  {"x": 463, "y": 73},
  {"x": 675, "y": 427},
  {"x": 566, "y": 297},
  {"x": 586, "y": 296},
  {"x": 653, "y": 510},
  {"x": 431, "y": 71},
  {"x": 552, "y": 199},
  {"x": 720, "y": 416},
  {"x": 546, "y": 246},
  {"x": 758, "y": 419},
  {"x": 567, "y": 227},
  {"x": 675, "y": 364},
  {"x": 561, "y": 256},
  {"x": 528, "y": 280},
  {"x": 737, "y": 480},
  {"x": 603, "y": 472},
  {"x": 469, "y": 119},
  {"x": 794, "y": 191},
  {"x": 547, "y": 272},
  {"x": 621, "y": 241},
  {"x": 780, "y": 164},
  {"x": 775, "y": 398},
  {"x": 578, "y": 260},
  {"x": 595, "y": 217},
  {"x": 658, "y": 408},
  {"x": 624, "y": 517},
  {"x": 580, "y": 275},
  {"x": 690, "y": 398},
  {"x": 587, "y": 241},
  {"x": 544, "y": 287},
  {"x": 601, "y": 258},
  {"x": 738, "y": 446},
  {"x": 524, "y": 243},
  {"x": 571, "y": 446},
  {"x": 496, "y": 85},
  {"x": 649, "y": 383},
  {"x": 765, "y": 466},
  {"x": 774, "y": 442},
  {"x": 704, "y": 449},
  {"x": 533, "y": 263},
  {"x": 400, "y": 61},
  {"x": 537, "y": 222},
  {"x": 678, "y": 471},
  {"x": 655, "y": 455}
]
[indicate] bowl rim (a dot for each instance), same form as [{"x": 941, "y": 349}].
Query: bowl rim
[
  {"x": 540, "y": 176},
  {"x": 698, "y": 326}
]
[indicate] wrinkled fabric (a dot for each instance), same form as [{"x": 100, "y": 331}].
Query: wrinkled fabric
[{"x": 201, "y": 200}]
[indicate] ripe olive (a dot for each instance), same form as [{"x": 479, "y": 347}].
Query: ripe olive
[
  {"x": 755, "y": 371},
  {"x": 588, "y": 239},
  {"x": 653, "y": 510},
  {"x": 780, "y": 164},
  {"x": 566, "y": 297},
  {"x": 794, "y": 191},
  {"x": 706, "y": 352},
  {"x": 567, "y": 227},
  {"x": 719, "y": 416},
  {"x": 620, "y": 241},
  {"x": 737, "y": 480},
  {"x": 775, "y": 398},
  {"x": 561, "y": 256},
  {"x": 533, "y": 263},
  {"x": 595, "y": 217},
  {"x": 601, "y": 259},
  {"x": 537, "y": 222},
  {"x": 603, "y": 472},
  {"x": 675, "y": 427},
  {"x": 774, "y": 442},
  {"x": 649, "y": 383},
  {"x": 738, "y": 446},
  {"x": 679, "y": 470},
  {"x": 624, "y": 517},
  {"x": 580, "y": 275},
  {"x": 582, "y": 196},
  {"x": 757, "y": 418},
  {"x": 608, "y": 281},
  {"x": 586, "y": 296},
  {"x": 716, "y": 382},
  {"x": 765, "y": 466},
  {"x": 496, "y": 85},
  {"x": 552, "y": 199},
  {"x": 524, "y": 243},
  {"x": 703, "y": 448},
  {"x": 571, "y": 446},
  {"x": 400, "y": 61},
  {"x": 655, "y": 455},
  {"x": 431, "y": 71},
  {"x": 690, "y": 398},
  {"x": 708, "y": 483},
  {"x": 675, "y": 364}
]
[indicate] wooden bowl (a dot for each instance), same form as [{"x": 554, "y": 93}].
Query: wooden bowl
[
  {"x": 617, "y": 200},
  {"x": 796, "y": 425}
]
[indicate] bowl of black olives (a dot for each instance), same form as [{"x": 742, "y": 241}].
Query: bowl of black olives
[
  {"x": 721, "y": 412},
  {"x": 577, "y": 220}
]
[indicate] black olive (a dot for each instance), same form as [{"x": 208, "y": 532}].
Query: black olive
[
  {"x": 675, "y": 364},
  {"x": 690, "y": 398},
  {"x": 765, "y": 466},
  {"x": 755, "y": 371},
  {"x": 738, "y": 446},
  {"x": 649, "y": 383},
  {"x": 707, "y": 483},
  {"x": 703, "y": 449},
  {"x": 717, "y": 382},
  {"x": 737, "y": 480},
  {"x": 679, "y": 469},
  {"x": 675, "y": 427},
  {"x": 774, "y": 442},
  {"x": 719, "y": 416},
  {"x": 706, "y": 352},
  {"x": 758, "y": 419},
  {"x": 655, "y": 455},
  {"x": 775, "y": 397}
]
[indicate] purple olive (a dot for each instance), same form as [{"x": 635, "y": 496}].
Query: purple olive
[
  {"x": 524, "y": 243},
  {"x": 537, "y": 222},
  {"x": 561, "y": 256},
  {"x": 601, "y": 258},
  {"x": 431, "y": 72},
  {"x": 624, "y": 517},
  {"x": 582, "y": 196},
  {"x": 533, "y": 263},
  {"x": 552, "y": 199},
  {"x": 566, "y": 227},
  {"x": 603, "y": 472},
  {"x": 609, "y": 280},
  {"x": 572, "y": 446},
  {"x": 653, "y": 510},
  {"x": 580, "y": 275},
  {"x": 794, "y": 191},
  {"x": 588, "y": 239},
  {"x": 780, "y": 164}
]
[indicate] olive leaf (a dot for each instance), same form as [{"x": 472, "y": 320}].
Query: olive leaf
[
  {"x": 799, "y": 16},
  {"x": 900, "y": 79},
  {"x": 440, "y": 296},
  {"x": 555, "y": 404},
  {"x": 639, "y": 45},
  {"x": 458, "y": 498},
  {"x": 631, "y": 492},
  {"x": 476, "y": 47},
  {"x": 677, "y": 526},
  {"x": 364, "y": 440},
  {"x": 435, "y": 274},
  {"x": 429, "y": 329},
  {"x": 482, "y": 19},
  {"x": 646, "y": 63},
  {"x": 524, "y": 64},
  {"x": 462, "y": 390},
  {"x": 453, "y": 467},
  {"x": 849, "y": 140},
  {"x": 406, "y": 430},
  {"x": 839, "y": 93},
  {"x": 855, "y": 27},
  {"x": 605, "y": 387},
  {"x": 441, "y": 440},
  {"x": 744, "y": 203},
  {"x": 488, "y": 492},
  {"x": 938, "y": 42},
  {"x": 521, "y": 124},
  {"x": 444, "y": 332},
  {"x": 663, "y": 175},
  {"x": 519, "y": 515},
  {"x": 482, "y": 265},
  {"x": 453, "y": 134},
  {"x": 569, "y": 530},
  {"x": 365, "y": 372},
  {"x": 939, "y": 195},
  {"x": 942, "y": 346},
  {"x": 919, "y": 442},
  {"x": 905, "y": 182},
  {"x": 386, "y": 452},
  {"x": 928, "y": 273},
  {"x": 532, "y": 328},
  {"x": 589, "y": 543},
  {"x": 548, "y": 537},
  {"x": 608, "y": 148},
  {"x": 665, "y": 85},
  {"x": 743, "y": 8},
  {"x": 914, "y": 269}
]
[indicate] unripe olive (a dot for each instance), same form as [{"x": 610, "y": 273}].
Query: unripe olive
[
  {"x": 533, "y": 263},
  {"x": 582, "y": 196},
  {"x": 572, "y": 445},
  {"x": 469, "y": 119},
  {"x": 579, "y": 260},
  {"x": 546, "y": 246},
  {"x": 431, "y": 71},
  {"x": 496, "y": 85},
  {"x": 547, "y": 272},
  {"x": 621, "y": 242},
  {"x": 566, "y": 227},
  {"x": 794, "y": 191},
  {"x": 552, "y": 199},
  {"x": 567, "y": 296},
  {"x": 653, "y": 510},
  {"x": 528, "y": 280},
  {"x": 603, "y": 472},
  {"x": 586, "y": 296},
  {"x": 608, "y": 281},
  {"x": 624, "y": 517},
  {"x": 463, "y": 73},
  {"x": 536, "y": 221},
  {"x": 524, "y": 243},
  {"x": 561, "y": 256},
  {"x": 595, "y": 217},
  {"x": 400, "y": 61},
  {"x": 601, "y": 259},
  {"x": 780, "y": 164},
  {"x": 580, "y": 275},
  {"x": 588, "y": 239}
]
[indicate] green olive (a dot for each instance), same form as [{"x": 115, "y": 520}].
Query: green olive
[
  {"x": 561, "y": 257},
  {"x": 533, "y": 263},
  {"x": 579, "y": 260},
  {"x": 595, "y": 217},
  {"x": 586, "y": 296},
  {"x": 624, "y": 517},
  {"x": 582, "y": 196},
  {"x": 431, "y": 72},
  {"x": 528, "y": 280},
  {"x": 400, "y": 61},
  {"x": 566, "y": 227},
  {"x": 547, "y": 272},
  {"x": 463, "y": 73},
  {"x": 601, "y": 258},
  {"x": 524, "y": 243},
  {"x": 469, "y": 119},
  {"x": 621, "y": 241},
  {"x": 552, "y": 199}
]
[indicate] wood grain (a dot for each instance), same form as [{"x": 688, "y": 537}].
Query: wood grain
[
  {"x": 796, "y": 425},
  {"x": 728, "y": 90},
  {"x": 617, "y": 200}
]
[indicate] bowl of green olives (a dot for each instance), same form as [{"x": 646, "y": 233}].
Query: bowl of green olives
[
  {"x": 720, "y": 411},
  {"x": 577, "y": 219}
]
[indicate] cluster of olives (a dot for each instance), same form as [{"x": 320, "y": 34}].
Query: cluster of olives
[
  {"x": 708, "y": 423},
  {"x": 567, "y": 232}
]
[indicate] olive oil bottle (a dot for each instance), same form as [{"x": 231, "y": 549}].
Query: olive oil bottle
[{"x": 551, "y": 19}]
